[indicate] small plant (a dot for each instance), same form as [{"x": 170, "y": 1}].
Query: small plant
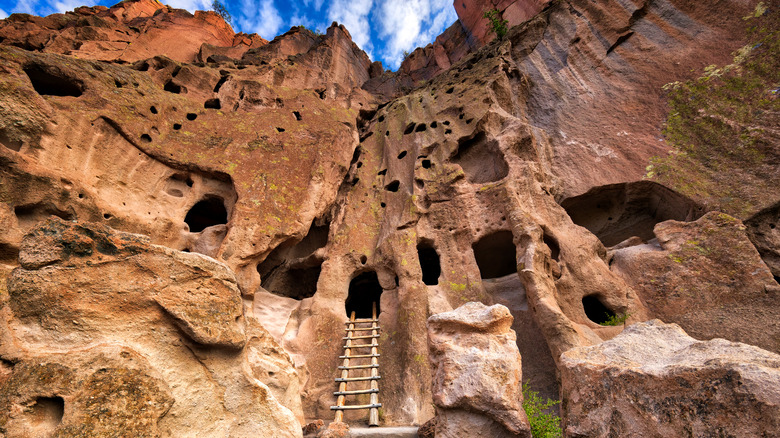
[
  {"x": 543, "y": 423},
  {"x": 497, "y": 23},
  {"x": 222, "y": 11},
  {"x": 406, "y": 54},
  {"x": 615, "y": 320}
]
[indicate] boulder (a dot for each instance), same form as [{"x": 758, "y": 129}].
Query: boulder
[
  {"x": 476, "y": 373},
  {"x": 653, "y": 380}
]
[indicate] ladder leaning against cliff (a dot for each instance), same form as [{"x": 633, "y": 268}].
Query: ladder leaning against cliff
[{"x": 373, "y": 407}]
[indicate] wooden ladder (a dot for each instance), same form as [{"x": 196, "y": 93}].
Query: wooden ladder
[{"x": 373, "y": 379}]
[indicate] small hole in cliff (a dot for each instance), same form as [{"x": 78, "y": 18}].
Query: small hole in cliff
[
  {"x": 772, "y": 226},
  {"x": 278, "y": 129},
  {"x": 393, "y": 186},
  {"x": 381, "y": 119},
  {"x": 365, "y": 137},
  {"x": 426, "y": 164},
  {"x": 221, "y": 82},
  {"x": 469, "y": 121},
  {"x": 359, "y": 164},
  {"x": 434, "y": 125},
  {"x": 81, "y": 196},
  {"x": 191, "y": 116},
  {"x": 176, "y": 71},
  {"x": 496, "y": 254},
  {"x": 402, "y": 154},
  {"x": 206, "y": 213},
  {"x": 450, "y": 90},
  {"x": 447, "y": 131},
  {"x": 595, "y": 310},
  {"x": 117, "y": 83},
  {"x": 153, "y": 110},
  {"x": 107, "y": 216},
  {"x": 387, "y": 133},
  {"x": 46, "y": 414},
  {"x": 171, "y": 87},
  {"x": 212, "y": 104},
  {"x": 14, "y": 145},
  {"x": 382, "y": 172},
  {"x": 429, "y": 263},
  {"x": 176, "y": 126},
  {"x": 382, "y": 204},
  {"x": 461, "y": 116},
  {"x": 50, "y": 82},
  {"x": 364, "y": 291},
  {"x": 297, "y": 116},
  {"x": 363, "y": 259},
  {"x": 420, "y": 128},
  {"x": 409, "y": 129},
  {"x": 446, "y": 123},
  {"x": 321, "y": 93},
  {"x": 146, "y": 138},
  {"x": 552, "y": 243}
]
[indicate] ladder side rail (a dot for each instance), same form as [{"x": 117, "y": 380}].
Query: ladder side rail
[
  {"x": 373, "y": 416},
  {"x": 344, "y": 373}
]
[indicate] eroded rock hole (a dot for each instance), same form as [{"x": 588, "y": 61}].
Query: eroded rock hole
[
  {"x": 429, "y": 263},
  {"x": 426, "y": 164},
  {"x": 480, "y": 159},
  {"x": 8, "y": 253},
  {"x": 382, "y": 172},
  {"x": 365, "y": 137},
  {"x": 434, "y": 125},
  {"x": 153, "y": 110},
  {"x": 212, "y": 104},
  {"x": 402, "y": 154},
  {"x": 595, "y": 310},
  {"x": 297, "y": 116},
  {"x": 381, "y": 119},
  {"x": 146, "y": 138},
  {"x": 393, "y": 186},
  {"x": 409, "y": 128},
  {"x": 191, "y": 116},
  {"x": 617, "y": 212},
  {"x": 172, "y": 87},
  {"x": 51, "y": 82},
  {"x": 552, "y": 243},
  {"x": 46, "y": 414},
  {"x": 176, "y": 126},
  {"x": 364, "y": 291},
  {"x": 278, "y": 129},
  {"x": 450, "y": 90},
  {"x": 206, "y": 213},
  {"x": 496, "y": 255},
  {"x": 12, "y": 144},
  {"x": 293, "y": 269},
  {"x": 420, "y": 128}
]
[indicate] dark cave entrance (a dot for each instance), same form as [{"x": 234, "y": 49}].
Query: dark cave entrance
[
  {"x": 48, "y": 81},
  {"x": 595, "y": 310},
  {"x": 429, "y": 263},
  {"x": 293, "y": 268},
  {"x": 364, "y": 290},
  {"x": 206, "y": 213},
  {"x": 496, "y": 255}
]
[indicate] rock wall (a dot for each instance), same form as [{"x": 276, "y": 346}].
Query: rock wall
[{"x": 315, "y": 181}]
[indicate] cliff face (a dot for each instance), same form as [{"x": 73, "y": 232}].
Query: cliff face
[{"x": 506, "y": 171}]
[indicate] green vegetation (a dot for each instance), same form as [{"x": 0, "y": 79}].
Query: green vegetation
[
  {"x": 722, "y": 125},
  {"x": 543, "y": 423},
  {"x": 615, "y": 320},
  {"x": 497, "y": 23},
  {"x": 222, "y": 11}
]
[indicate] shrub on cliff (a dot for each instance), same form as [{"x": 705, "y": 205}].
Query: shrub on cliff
[{"x": 543, "y": 423}]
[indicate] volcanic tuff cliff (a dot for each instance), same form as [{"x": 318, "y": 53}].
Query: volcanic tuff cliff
[{"x": 507, "y": 171}]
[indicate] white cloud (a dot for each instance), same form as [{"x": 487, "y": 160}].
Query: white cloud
[
  {"x": 190, "y": 5},
  {"x": 67, "y": 5},
  {"x": 260, "y": 17},
  {"x": 2, "y": 14},
  {"x": 317, "y": 4},
  {"x": 408, "y": 24},
  {"x": 25, "y": 7},
  {"x": 353, "y": 14}
]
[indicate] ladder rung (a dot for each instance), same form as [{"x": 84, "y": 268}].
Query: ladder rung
[
  {"x": 359, "y": 391},
  {"x": 358, "y": 379},
  {"x": 346, "y": 407},
  {"x": 358, "y": 356},
  {"x": 362, "y": 329},
  {"x": 362, "y": 346},
  {"x": 358, "y": 321},
  {"x": 359, "y": 337},
  {"x": 358, "y": 367}
]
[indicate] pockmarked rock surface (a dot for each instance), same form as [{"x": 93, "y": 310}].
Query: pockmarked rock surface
[
  {"x": 509, "y": 171},
  {"x": 654, "y": 380},
  {"x": 178, "y": 345},
  {"x": 476, "y": 373}
]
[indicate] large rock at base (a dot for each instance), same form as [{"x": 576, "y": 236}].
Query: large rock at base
[
  {"x": 476, "y": 373},
  {"x": 653, "y": 380},
  {"x": 181, "y": 348}
]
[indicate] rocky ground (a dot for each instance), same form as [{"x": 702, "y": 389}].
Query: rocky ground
[{"x": 186, "y": 225}]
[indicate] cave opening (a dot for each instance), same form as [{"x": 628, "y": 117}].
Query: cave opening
[
  {"x": 206, "y": 213},
  {"x": 481, "y": 159},
  {"x": 364, "y": 291},
  {"x": 595, "y": 310},
  {"x": 48, "y": 83},
  {"x": 496, "y": 255},
  {"x": 552, "y": 243},
  {"x": 293, "y": 269},
  {"x": 47, "y": 413},
  {"x": 429, "y": 263}
]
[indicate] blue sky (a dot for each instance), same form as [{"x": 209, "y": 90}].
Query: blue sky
[{"x": 383, "y": 28}]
